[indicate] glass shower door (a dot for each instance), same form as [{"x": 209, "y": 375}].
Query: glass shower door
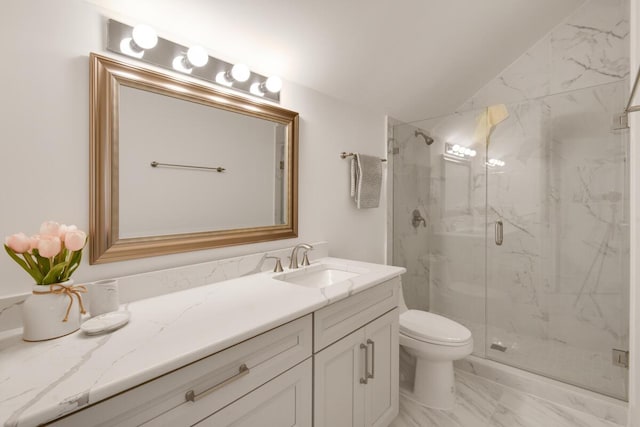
[
  {"x": 557, "y": 239},
  {"x": 517, "y": 197},
  {"x": 525, "y": 243}
]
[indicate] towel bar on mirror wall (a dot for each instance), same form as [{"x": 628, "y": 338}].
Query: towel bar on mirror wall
[
  {"x": 344, "y": 155},
  {"x": 155, "y": 164}
]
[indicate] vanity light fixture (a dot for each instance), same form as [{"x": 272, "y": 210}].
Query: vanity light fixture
[
  {"x": 136, "y": 42},
  {"x": 459, "y": 151},
  {"x": 143, "y": 37}
]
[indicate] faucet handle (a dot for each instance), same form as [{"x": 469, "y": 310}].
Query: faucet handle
[
  {"x": 305, "y": 259},
  {"x": 278, "y": 267}
]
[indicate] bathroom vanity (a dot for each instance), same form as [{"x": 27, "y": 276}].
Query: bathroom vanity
[{"x": 314, "y": 346}]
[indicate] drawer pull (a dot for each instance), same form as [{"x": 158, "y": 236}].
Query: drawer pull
[
  {"x": 365, "y": 379},
  {"x": 191, "y": 396},
  {"x": 373, "y": 359}
]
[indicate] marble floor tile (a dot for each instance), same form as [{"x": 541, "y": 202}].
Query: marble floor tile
[
  {"x": 518, "y": 409},
  {"x": 484, "y": 403},
  {"x": 582, "y": 367}
]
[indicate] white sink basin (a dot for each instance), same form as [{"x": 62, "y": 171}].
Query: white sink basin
[{"x": 318, "y": 276}]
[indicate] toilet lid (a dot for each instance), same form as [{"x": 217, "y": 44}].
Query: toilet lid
[{"x": 430, "y": 327}]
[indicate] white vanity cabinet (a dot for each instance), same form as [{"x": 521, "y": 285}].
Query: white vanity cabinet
[
  {"x": 335, "y": 367},
  {"x": 356, "y": 377},
  {"x": 222, "y": 382}
]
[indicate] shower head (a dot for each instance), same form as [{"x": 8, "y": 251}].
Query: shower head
[{"x": 426, "y": 137}]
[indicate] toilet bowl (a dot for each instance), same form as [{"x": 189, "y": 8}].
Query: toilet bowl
[{"x": 435, "y": 342}]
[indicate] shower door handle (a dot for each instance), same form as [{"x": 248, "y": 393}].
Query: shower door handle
[{"x": 499, "y": 233}]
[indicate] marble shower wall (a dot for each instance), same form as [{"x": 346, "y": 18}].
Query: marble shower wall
[
  {"x": 556, "y": 289},
  {"x": 411, "y": 181},
  {"x": 591, "y": 47}
]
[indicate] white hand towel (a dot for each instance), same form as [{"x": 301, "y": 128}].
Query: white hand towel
[
  {"x": 366, "y": 180},
  {"x": 354, "y": 179}
]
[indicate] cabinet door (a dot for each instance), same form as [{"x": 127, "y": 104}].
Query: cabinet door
[
  {"x": 338, "y": 392},
  {"x": 284, "y": 401},
  {"x": 381, "y": 391}
]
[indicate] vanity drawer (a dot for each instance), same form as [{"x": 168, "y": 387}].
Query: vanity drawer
[
  {"x": 212, "y": 382},
  {"x": 284, "y": 401},
  {"x": 343, "y": 317}
]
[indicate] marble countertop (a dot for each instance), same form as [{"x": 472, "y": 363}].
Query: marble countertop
[{"x": 40, "y": 382}]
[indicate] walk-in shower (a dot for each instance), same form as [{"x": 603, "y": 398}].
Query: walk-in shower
[{"x": 525, "y": 243}]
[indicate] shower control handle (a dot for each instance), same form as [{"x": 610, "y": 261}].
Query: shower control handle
[
  {"x": 417, "y": 219},
  {"x": 499, "y": 232}
]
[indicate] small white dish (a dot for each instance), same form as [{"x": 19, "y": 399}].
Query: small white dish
[{"x": 106, "y": 322}]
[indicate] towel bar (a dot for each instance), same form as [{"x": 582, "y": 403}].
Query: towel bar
[
  {"x": 344, "y": 155},
  {"x": 155, "y": 164}
]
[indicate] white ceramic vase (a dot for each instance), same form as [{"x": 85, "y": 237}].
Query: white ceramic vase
[{"x": 44, "y": 311}]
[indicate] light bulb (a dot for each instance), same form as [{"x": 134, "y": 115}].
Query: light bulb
[
  {"x": 456, "y": 148},
  {"x": 144, "y": 36},
  {"x": 467, "y": 151},
  {"x": 240, "y": 73},
  {"x": 129, "y": 48},
  {"x": 273, "y": 84},
  {"x": 473, "y": 153},
  {"x": 179, "y": 65},
  {"x": 221, "y": 79},
  {"x": 255, "y": 89},
  {"x": 197, "y": 56}
]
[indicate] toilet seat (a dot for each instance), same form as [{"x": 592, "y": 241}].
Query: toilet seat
[{"x": 432, "y": 328}]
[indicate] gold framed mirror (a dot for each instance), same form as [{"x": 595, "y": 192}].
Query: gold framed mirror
[{"x": 178, "y": 166}]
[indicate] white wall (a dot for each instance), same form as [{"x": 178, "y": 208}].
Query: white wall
[
  {"x": 45, "y": 145},
  {"x": 634, "y": 195}
]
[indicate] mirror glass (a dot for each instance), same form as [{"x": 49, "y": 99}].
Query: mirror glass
[
  {"x": 186, "y": 198},
  {"x": 178, "y": 166}
]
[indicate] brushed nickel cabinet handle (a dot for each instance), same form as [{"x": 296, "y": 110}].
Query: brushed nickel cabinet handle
[
  {"x": 191, "y": 396},
  {"x": 499, "y": 233},
  {"x": 373, "y": 359},
  {"x": 365, "y": 379}
]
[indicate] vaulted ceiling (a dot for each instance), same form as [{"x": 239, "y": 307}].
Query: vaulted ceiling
[{"x": 411, "y": 59}]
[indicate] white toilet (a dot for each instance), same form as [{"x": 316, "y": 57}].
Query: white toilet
[{"x": 435, "y": 342}]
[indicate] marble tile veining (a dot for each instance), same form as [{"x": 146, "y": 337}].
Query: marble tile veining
[{"x": 483, "y": 403}]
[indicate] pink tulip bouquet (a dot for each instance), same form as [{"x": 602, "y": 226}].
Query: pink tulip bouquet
[{"x": 51, "y": 256}]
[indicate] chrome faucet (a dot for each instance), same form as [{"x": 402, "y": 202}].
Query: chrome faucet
[{"x": 294, "y": 255}]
